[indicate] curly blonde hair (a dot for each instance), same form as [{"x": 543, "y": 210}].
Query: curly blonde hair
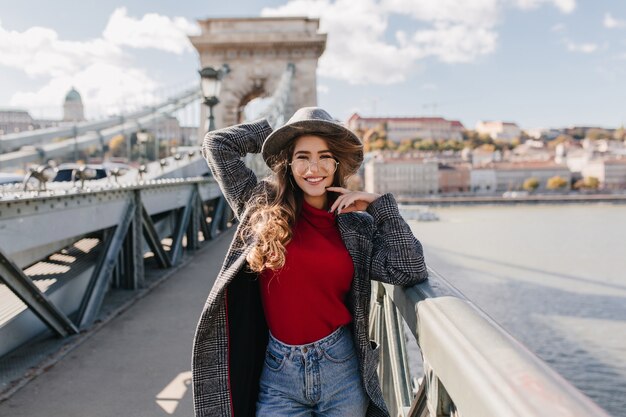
[{"x": 274, "y": 213}]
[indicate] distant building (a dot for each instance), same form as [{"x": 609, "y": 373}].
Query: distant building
[
  {"x": 168, "y": 130},
  {"x": 15, "y": 120},
  {"x": 577, "y": 159},
  {"x": 454, "y": 178},
  {"x": 401, "y": 128},
  {"x": 73, "y": 110},
  {"x": 531, "y": 150},
  {"x": 189, "y": 135},
  {"x": 543, "y": 133},
  {"x": 479, "y": 156},
  {"x": 610, "y": 172},
  {"x": 483, "y": 180},
  {"x": 511, "y": 176},
  {"x": 506, "y": 131},
  {"x": 401, "y": 176}
]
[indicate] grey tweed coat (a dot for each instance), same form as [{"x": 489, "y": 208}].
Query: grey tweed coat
[{"x": 231, "y": 336}]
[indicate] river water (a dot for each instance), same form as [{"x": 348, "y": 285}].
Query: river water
[{"x": 553, "y": 276}]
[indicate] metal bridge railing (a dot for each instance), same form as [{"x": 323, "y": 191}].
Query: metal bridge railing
[
  {"x": 163, "y": 217},
  {"x": 472, "y": 367}
]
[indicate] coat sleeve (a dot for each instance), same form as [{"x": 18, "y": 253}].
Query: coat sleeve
[
  {"x": 397, "y": 256},
  {"x": 224, "y": 149}
]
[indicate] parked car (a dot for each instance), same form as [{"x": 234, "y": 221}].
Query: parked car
[
  {"x": 515, "y": 194},
  {"x": 64, "y": 171}
]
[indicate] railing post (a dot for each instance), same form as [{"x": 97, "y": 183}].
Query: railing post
[
  {"x": 99, "y": 282},
  {"x": 181, "y": 228},
  {"x": 133, "y": 277},
  {"x": 216, "y": 218},
  {"x": 193, "y": 227}
]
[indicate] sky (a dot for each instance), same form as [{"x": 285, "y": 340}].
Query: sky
[{"x": 538, "y": 63}]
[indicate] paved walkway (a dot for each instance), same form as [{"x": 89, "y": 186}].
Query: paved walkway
[{"x": 139, "y": 363}]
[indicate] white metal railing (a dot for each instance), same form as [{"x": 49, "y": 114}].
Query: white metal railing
[{"x": 473, "y": 367}]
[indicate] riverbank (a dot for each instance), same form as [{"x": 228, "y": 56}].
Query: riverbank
[{"x": 530, "y": 199}]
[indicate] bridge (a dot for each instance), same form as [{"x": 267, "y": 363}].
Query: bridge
[{"x": 101, "y": 286}]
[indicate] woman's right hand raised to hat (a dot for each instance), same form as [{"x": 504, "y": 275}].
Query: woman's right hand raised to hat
[{"x": 350, "y": 200}]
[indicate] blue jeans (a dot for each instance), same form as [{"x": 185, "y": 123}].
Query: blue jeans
[{"x": 318, "y": 379}]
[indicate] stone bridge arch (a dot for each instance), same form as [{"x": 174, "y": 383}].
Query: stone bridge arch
[{"x": 258, "y": 51}]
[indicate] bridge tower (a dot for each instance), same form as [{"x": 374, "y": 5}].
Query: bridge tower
[{"x": 258, "y": 51}]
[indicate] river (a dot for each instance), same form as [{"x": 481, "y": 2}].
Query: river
[{"x": 553, "y": 276}]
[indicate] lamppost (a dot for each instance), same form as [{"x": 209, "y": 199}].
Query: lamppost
[{"x": 211, "y": 81}]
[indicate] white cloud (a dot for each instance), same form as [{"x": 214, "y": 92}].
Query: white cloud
[
  {"x": 105, "y": 89},
  {"x": 482, "y": 13},
  {"x": 610, "y": 22},
  {"x": 39, "y": 52},
  {"x": 355, "y": 50},
  {"x": 358, "y": 52},
  {"x": 323, "y": 89},
  {"x": 455, "y": 43},
  {"x": 559, "y": 28},
  {"x": 586, "y": 47},
  {"x": 99, "y": 68},
  {"x": 151, "y": 31},
  {"x": 565, "y": 6}
]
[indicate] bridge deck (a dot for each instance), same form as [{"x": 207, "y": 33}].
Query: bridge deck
[{"x": 139, "y": 363}]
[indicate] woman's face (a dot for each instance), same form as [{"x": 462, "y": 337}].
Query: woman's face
[{"x": 313, "y": 168}]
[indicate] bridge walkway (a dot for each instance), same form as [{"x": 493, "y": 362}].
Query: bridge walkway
[{"x": 138, "y": 364}]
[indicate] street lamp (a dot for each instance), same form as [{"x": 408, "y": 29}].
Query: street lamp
[{"x": 211, "y": 81}]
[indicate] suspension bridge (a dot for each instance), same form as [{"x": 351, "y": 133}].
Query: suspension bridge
[{"x": 101, "y": 285}]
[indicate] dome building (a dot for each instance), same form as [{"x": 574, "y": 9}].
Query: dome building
[{"x": 73, "y": 110}]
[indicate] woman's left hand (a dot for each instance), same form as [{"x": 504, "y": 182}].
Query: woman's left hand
[{"x": 351, "y": 200}]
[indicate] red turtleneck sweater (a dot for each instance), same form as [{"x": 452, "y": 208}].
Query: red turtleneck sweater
[{"x": 306, "y": 299}]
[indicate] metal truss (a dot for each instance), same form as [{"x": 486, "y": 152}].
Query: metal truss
[{"x": 123, "y": 238}]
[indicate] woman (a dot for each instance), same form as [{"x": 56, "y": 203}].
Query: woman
[{"x": 285, "y": 328}]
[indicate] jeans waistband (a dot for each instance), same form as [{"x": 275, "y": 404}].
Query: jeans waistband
[{"x": 321, "y": 344}]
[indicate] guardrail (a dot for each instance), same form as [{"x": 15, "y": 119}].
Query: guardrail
[
  {"x": 163, "y": 217},
  {"x": 472, "y": 367}
]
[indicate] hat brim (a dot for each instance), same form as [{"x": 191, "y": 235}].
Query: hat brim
[{"x": 280, "y": 138}]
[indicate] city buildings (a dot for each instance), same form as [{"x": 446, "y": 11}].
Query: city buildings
[
  {"x": 401, "y": 128},
  {"x": 407, "y": 175},
  {"x": 497, "y": 130},
  {"x": 15, "y": 120},
  {"x": 511, "y": 176},
  {"x": 610, "y": 172},
  {"x": 401, "y": 176}
]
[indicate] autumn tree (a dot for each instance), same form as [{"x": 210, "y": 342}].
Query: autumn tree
[
  {"x": 373, "y": 136},
  {"x": 556, "y": 183},
  {"x": 587, "y": 183},
  {"x": 405, "y": 146},
  {"x": 558, "y": 140},
  {"x": 597, "y": 133},
  {"x": 620, "y": 133},
  {"x": 117, "y": 145},
  {"x": 531, "y": 184}
]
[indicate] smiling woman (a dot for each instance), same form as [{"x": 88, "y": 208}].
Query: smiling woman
[{"x": 285, "y": 328}]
